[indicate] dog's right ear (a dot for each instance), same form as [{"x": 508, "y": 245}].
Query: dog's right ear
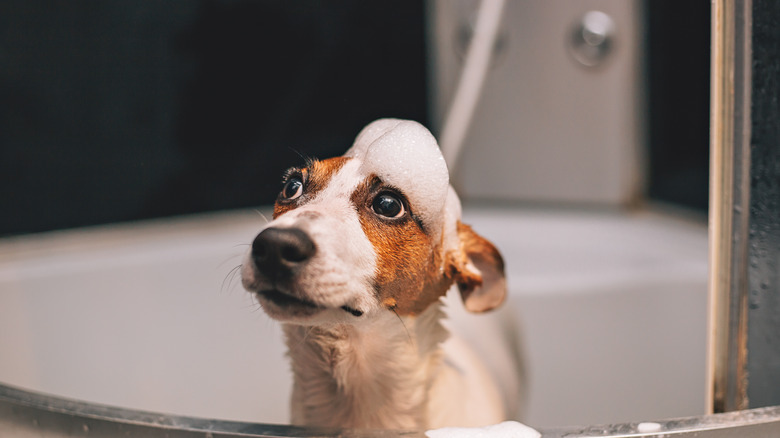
[{"x": 479, "y": 272}]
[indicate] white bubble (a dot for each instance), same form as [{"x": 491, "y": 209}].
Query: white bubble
[
  {"x": 405, "y": 155},
  {"x": 508, "y": 429},
  {"x": 648, "y": 427}
]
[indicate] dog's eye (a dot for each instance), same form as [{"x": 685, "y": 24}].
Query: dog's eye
[
  {"x": 388, "y": 205},
  {"x": 292, "y": 189}
]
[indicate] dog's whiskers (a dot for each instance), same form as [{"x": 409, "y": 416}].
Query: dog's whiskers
[
  {"x": 255, "y": 304},
  {"x": 302, "y": 341},
  {"x": 229, "y": 258},
  {"x": 305, "y": 158},
  {"x": 262, "y": 215},
  {"x": 408, "y": 335},
  {"x": 230, "y": 277},
  {"x": 306, "y": 335}
]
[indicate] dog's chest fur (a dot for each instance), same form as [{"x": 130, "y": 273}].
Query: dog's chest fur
[
  {"x": 375, "y": 375},
  {"x": 360, "y": 251}
]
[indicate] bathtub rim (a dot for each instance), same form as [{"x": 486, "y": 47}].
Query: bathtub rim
[{"x": 37, "y": 414}]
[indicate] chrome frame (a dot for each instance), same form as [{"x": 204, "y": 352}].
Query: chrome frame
[
  {"x": 30, "y": 414},
  {"x": 729, "y": 204},
  {"x": 26, "y": 414}
]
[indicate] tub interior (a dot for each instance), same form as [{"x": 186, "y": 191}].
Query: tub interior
[{"x": 606, "y": 308}]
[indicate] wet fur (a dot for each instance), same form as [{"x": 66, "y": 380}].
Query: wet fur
[{"x": 372, "y": 352}]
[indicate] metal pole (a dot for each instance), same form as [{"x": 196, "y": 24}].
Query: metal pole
[{"x": 729, "y": 203}]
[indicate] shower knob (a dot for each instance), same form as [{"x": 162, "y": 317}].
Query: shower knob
[{"x": 592, "y": 38}]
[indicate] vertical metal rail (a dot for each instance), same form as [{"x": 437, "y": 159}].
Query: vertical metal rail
[
  {"x": 763, "y": 362},
  {"x": 729, "y": 204}
]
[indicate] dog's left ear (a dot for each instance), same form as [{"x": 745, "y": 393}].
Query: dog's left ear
[{"x": 479, "y": 272}]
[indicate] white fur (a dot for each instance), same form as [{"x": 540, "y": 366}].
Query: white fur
[
  {"x": 374, "y": 375},
  {"x": 391, "y": 373},
  {"x": 376, "y": 370},
  {"x": 340, "y": 274}
]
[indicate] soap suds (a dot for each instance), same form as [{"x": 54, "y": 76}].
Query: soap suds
[
  {"x": 648, "y": 427},
  {"x": 452, "y": 214},
  {"x": 404, "y": 154},
  {"x": 369, "y": 134},
  {"x": 508, "y": 429}
]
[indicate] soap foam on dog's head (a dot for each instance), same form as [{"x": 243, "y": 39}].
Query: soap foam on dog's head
[
  {"x": 405, "y": 154},
  {"x": 407, "y": 263}
]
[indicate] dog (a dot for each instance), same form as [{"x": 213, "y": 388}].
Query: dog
[{"x": 354, "y": 264}]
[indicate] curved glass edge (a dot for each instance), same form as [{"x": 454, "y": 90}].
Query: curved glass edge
[
  {"x": 27, "y": 414},
  {"x": 32, "y": 414},
  {"x": 760, "y": 422}
]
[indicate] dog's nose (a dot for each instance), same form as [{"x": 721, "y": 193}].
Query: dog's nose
[{"x": 280, "y": 250}]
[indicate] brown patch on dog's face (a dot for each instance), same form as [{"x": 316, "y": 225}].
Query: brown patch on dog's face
[
  {"x": 312, "y": 179},
  {"x": 408, "y": 277}
]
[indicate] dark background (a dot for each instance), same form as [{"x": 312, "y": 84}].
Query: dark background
[
  {"x": 678, "y": 79},
  {"x": 123, "y": 110}
]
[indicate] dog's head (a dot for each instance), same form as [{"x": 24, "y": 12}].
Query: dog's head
[{"x": 375, "y": 230}]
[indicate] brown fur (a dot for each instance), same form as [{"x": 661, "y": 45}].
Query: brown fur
[
  {"x": 315, "y": 178},
  {"x": 482, "y": 255},
  {"x": 354, "y": 365},
  {"x": 407, "y": 274}
]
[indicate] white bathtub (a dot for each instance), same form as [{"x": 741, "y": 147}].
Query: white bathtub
[{"x": 608, "y": 308}]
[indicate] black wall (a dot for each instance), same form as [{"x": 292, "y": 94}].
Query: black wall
[
  {"x": 125, "y": 109},
  {"x": 678, "y": 76},
  {"x": 121, "y": 110}
]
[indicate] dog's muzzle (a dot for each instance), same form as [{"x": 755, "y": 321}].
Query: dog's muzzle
[{"x": 279, "y": 253}]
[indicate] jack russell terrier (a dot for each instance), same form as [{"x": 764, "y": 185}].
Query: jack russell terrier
[{"x": 360, "y": 251}]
